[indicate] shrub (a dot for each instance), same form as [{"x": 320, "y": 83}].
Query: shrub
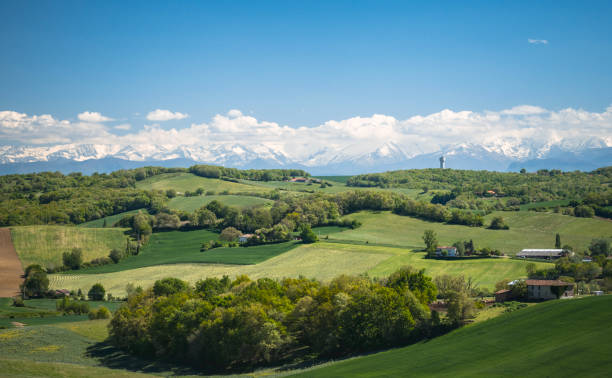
[
  {"x": 116, "y": 255},
  {"x": 36, "y": 283},
  {"x": 100, "y": 313},
  {"x": 73, "y": 259},
  {"x": 498, "y": 223},
  {"x": 68, "y": 306},
  {"x": 18, "y": 302},
  {"x": 230, "y": 234},
  {"x": 169, "y": 286},
  {"x": 96, "y": 293},
  {"x": 307, "y": 235}
]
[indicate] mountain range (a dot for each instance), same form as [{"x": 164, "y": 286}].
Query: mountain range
[{"x": 502, "y": 155}]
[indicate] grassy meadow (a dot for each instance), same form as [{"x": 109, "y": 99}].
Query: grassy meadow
[
  {"x": 527, "y": 230},
  {"x": 323, "y": 261},
  {"x": 191, "y": 204},
  {"x": 45, "y": 245},
  {"x": 562, "y": 338}
]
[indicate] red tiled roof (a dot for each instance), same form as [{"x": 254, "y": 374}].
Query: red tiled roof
[{"x": 547, "y": 283}]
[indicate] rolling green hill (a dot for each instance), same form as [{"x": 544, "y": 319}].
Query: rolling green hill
[
  {"x": 191, "y": 204},
  {"x": 182, "y": 182},
  {"x": 45, "y": 244},
  {"x": 527, "y": 230},
  {"x": 563, "y": 338}
]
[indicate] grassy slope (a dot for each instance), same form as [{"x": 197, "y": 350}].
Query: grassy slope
[
  {"x": 191, "y": 204},
  {"x": 552, "y": 339},
  {"x": 527, "y": 230},
  {"x": 110, "y": 220},
  {"x": 321, "y": 260},
  {"x": 25, "y": 368},
  {"x": 182, "y": 182},
  {"x": 45, "y": 244},
  {"x": 184, "y": 247}
]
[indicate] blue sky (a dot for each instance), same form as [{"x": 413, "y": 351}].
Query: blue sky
[{"x": 302, "y": 63}]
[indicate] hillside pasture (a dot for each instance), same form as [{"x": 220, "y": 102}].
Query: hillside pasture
[
  {"x": 527, "y": 230},
  {"x": 45, "y": 245},
  {"x": 182, "y": 182},
  {"x": 562, "y": 338},
  {"x": 323, "y": 261},
  {"x": 190, "y": 204},
  {"x": 110, "y": 220},
  {"x": 175, "y": 247}
]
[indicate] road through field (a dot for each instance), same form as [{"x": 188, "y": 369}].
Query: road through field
[{"x": 10, "y": 266}]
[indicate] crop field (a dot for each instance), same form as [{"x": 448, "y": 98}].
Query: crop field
[
  {"x": 552, "y": 339},
  {"x": 323, "y": 261},
  {"x": 110, "y": 220},
  {"x": 527, "y": 230},
  {"x": 45, "y": 244},
  {"x": 175, "y": 247},
  {"x": 182, "y": 182},
  {"x": 190, "y": 204}
]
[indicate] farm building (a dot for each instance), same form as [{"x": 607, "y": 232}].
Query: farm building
[
  {"x": 542, "y": 253},
  {"x": 548, "y": 289},
  {"x": 446, "y": 251},
  {"x": 298, "y": 179},
  {"x": 503, "y": 295},
  {"x": 244, "y": 238}
]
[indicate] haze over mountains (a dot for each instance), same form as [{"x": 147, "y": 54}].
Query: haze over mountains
[{"x": 509, "y": 154}]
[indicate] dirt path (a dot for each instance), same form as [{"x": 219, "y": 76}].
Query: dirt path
[{"x": 10, "y": 266}]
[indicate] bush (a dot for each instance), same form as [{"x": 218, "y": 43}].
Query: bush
[
  {"x": 68, "y": 306},
  {"x": 169, "y": 286},
  {"x": 96, "y": 293},
  {"x": 18, "y": 302},
  {"x": 100, "y": 313},
  {"x": 584, "y": 211},
  {"x": 36, "y": 283},
  {"x": 308, "y": 236},
  {"x": 73, "y": 259},
  {"x": 498, "y": 223},
  {"x": 230, "y": 234},
  {"x": 116, "y": 255}
]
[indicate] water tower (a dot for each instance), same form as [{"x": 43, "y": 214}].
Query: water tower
[{"x": 442, "y": 162}]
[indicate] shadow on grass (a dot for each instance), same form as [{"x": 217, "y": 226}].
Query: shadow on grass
[{"x": 111, "y": 357}]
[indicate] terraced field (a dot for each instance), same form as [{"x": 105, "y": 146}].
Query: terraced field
[
  {"x": 527, "y": 230},
  {"x": 190, "y": 204},
  {"x": 45, "y": 244}
]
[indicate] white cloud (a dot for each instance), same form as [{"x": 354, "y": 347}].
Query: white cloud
[
  {"x": 417, "y": 134},
  {"x": 537, "y": 41},
  {"x": 164, "y": 115},
  {"x": 94, "y": 117}
]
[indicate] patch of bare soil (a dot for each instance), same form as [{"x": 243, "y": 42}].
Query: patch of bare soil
[{"x": 10, "y": 267}]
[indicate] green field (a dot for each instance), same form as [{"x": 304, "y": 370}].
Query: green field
[
  {"x": 174, "y": 247},
  {"x": 566, "y": 338},
  {"x": 45, "y": 244},
  {"x": 544, "y": 204},
  {"x": 190, "y": 204},
  {"x": 527, "y": 230},
  {"x": 182, "y": 182},
  {"x": 320, "y": 260},
  {"x": 110, "y": 220}
]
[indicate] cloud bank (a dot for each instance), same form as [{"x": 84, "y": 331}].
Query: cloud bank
[{"x": 417, "y": 134}]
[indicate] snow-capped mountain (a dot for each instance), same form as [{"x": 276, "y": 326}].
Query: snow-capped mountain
[{"x": 501, "y": 155}]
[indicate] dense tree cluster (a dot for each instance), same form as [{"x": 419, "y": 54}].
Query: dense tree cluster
[{"x": 222, "y": 324}]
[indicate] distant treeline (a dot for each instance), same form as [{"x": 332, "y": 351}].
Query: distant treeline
[
  {"x": 544, "y": 185},
  {"x": 55, "y": 198}
]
